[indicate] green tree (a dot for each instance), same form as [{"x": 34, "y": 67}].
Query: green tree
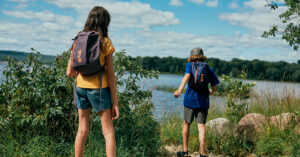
[{"x": 291, "y": 17}]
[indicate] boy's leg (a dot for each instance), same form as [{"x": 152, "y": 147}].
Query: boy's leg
[
  {"x": 202, "y": 136},
  {"x": 185, "y": 135},
  {"x": 83, "y": 130},
  {"x": 201, "y": 116},
  {"x": 188, "y": 119},
  {"x": 108, "y": 132}
]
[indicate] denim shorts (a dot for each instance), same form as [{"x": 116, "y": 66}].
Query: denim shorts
[{"x": 90, "y": 98}]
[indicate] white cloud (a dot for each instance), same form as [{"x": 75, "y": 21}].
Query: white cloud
[
  {"x": 197, "y": 1},
  {"x": 43, "y": 16},
  {"x": 124, "y": 14},
  {"x": 259, "y": 19},
  {"x": 22, "y": 5},
  {"x": 212, "y": 3},
  {"x": 176, "y": 3},
  {"x": 234, "y": 5},
  {"x": 20, "y": 1}
]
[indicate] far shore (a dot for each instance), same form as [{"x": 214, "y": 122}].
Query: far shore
[{"x": 181, "y": 74}]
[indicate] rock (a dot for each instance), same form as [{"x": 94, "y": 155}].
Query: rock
[
  {"x": 250, "y": 125},
  {"x": 220, "y": 126},
  {"x": 173, "y": 149},
  {"x": 284, "y": 120},
  {"x": 297, "y": 129}
]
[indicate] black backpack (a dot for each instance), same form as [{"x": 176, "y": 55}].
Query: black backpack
[
  {"x": 200, "y": 77},
  {"x": 86, "y": 53}
]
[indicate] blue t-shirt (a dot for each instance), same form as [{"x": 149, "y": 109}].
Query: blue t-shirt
[{"x": 193, "y": 99}]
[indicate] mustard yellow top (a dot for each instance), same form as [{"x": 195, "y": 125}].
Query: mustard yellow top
[{"x": 93, "y": 82}]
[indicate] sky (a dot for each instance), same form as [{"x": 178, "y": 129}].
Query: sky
[{"x": 225, "y": 29}]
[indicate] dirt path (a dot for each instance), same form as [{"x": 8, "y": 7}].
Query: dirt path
[{"x": 174, "y": 149}]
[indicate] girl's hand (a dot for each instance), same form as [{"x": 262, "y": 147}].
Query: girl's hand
[
  {"x": 115, "y": 111},
  {"x": 177, "y": 93}
]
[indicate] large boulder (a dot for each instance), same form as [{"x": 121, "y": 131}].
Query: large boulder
[
  {"x": 220, "y": 126},
  {"x": 297, "y": 129},
  {"x": 250, "y": 125},
  {"x": 284, "y": 120}
]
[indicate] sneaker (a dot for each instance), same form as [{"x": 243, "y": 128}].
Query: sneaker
[{"x": 182, "y": 154}]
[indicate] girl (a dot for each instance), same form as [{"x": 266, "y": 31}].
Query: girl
[{"x": 87, "y": 87}]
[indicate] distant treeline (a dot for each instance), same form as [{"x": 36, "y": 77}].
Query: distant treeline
[
  {"x": 21, "y": 56},
  {"x": 256, "y": 69}
]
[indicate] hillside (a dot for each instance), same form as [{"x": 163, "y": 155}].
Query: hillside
[{"x": 21, "y": 56}]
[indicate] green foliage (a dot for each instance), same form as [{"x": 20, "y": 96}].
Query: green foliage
[
  {"x": 228, "y": 145},
  {"x": 136, "y": 128},
  {"x": 35, "y": 97},
  {"x": 291, "y": 17},
  {"x": 237, "y": 95},
  {"x": 275, "y": 142},
  {"x": 171, "y": 130},
  {"x": 37, "y": 116}
]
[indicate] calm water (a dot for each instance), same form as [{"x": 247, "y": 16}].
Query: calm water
[{"x": 165, "y": 102}]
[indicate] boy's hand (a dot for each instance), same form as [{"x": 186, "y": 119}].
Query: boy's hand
[
  {"x": 211, "y": 92},
  {"x": 177, "y": 93}
]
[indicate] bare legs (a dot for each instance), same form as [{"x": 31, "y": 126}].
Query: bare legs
[
  {"x": 202, "y": 134},
  {"x": 185, "y": 135},
  {"x": 108, "y": 133},
  {"x": 83, "y": 130}
]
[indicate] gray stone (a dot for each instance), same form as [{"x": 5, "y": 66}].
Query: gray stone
[
  {"x": 284, "y": 120},
  {"x": 220, "y": 126},
  {"x": 250, "y": 125}
]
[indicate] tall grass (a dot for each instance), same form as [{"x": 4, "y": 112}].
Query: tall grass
[{"x": 272, "y": 141}]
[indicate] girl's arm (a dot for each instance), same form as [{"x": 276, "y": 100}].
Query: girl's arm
[
  {"x": 70, "y": 71},
  {"x": 183, "y": 82},
  {"x": 111, "y": 78}
]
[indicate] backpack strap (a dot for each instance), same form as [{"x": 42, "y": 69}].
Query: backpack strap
[
  {"x": 100, "y": 78},
  {"x": 74, "y": 91}
]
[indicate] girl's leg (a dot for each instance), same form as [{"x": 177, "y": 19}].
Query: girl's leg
[
  {"x": 83, "y": 130},
  {"x": 108, "y": 132}
]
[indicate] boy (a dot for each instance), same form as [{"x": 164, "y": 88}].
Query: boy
[{"x": 196, "y": 98}]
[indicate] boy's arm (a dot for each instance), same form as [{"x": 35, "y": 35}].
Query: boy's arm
[{"x": 183, "y": 82}]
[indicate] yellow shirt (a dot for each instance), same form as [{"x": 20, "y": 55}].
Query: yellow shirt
[{"x": 93, "y": 82}]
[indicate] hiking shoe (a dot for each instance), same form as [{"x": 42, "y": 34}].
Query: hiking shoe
[{"x": 182, "y": 154}]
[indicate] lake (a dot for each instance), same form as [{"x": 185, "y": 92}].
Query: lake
[{"x": 165, "y": 102}]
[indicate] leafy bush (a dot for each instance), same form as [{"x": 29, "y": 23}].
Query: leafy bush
[
  {"x": 37, "y": 99},
  {"x": 37, "y": 114},
  {"x": 238, "y": 91}
]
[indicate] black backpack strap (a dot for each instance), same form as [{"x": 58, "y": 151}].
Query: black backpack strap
[
  {"x": 100, "y": 78},
  {"x": 74, "y": 91}
]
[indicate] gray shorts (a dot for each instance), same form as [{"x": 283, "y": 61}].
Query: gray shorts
[{"x": 199, "y": 113}]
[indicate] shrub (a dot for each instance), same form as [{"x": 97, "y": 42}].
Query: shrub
[
  {"x": 37, "y": 114},
  {"x": 237, "y": 94}
]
